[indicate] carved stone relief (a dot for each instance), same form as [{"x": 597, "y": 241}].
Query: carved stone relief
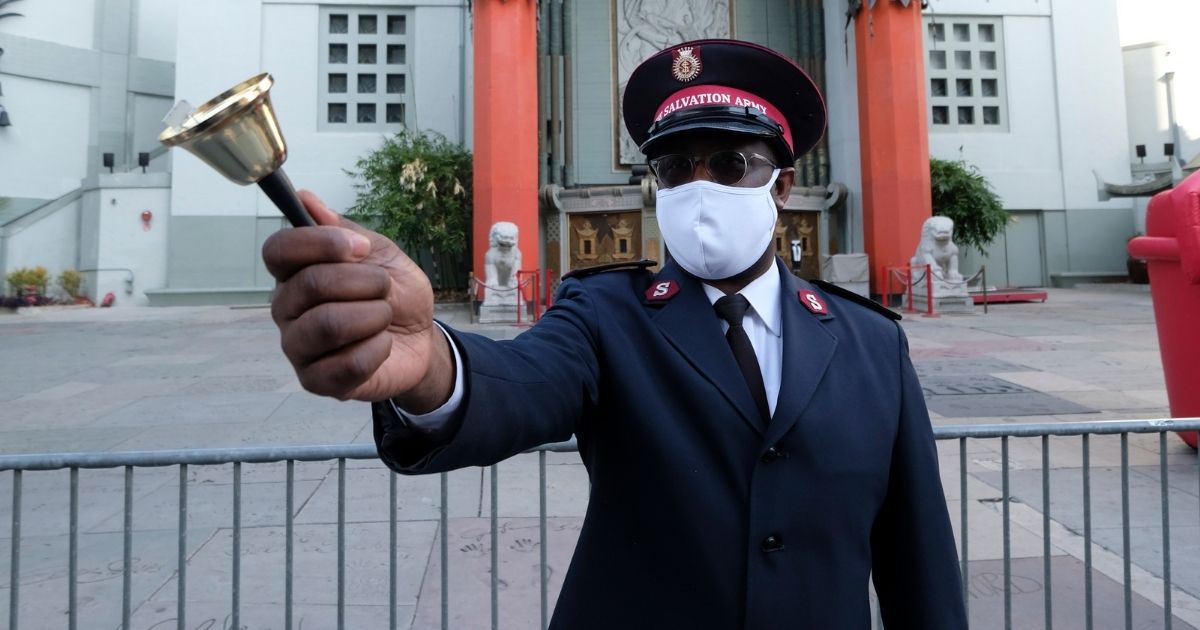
[{"x": 645, "y": 27}]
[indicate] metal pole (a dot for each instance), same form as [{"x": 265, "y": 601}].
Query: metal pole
[
  {"x": 1046, "y": 575},
  {"x": 445, "y": 524},
  {"x": 1087, "y": 534},
  {"x": 288, "y": 545},
  {"x": 181, "y": 559},
  {"x": 1166, "y": 529},
  {"x": 1126, "y": 560},
  {"x": 962, "y": 511},
  {"x": 73, "y": 555},
  {"x": 392, "y": 560},
  {"x": 14, "y": 569},
  {"x": 1007, "y": 534},
  {"x": 545, "y": 569},
  {"x": 341, "y": 545},
  {"x": 126, "y": 570},
  {"x": 495, "y": 517},
  {"x": 236, "y": 587}
]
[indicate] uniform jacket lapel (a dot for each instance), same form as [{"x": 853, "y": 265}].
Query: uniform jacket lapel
[
  {"x": 808, "y": 348},
  {"x": 688, "y": 321}
]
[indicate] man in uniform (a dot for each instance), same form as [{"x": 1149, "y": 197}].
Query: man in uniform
[{"x": 758, "y": 445}]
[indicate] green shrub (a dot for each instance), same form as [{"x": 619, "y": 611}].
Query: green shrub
[
  {"x": 69, "y": 281},
  {"x": 416, "y": 190},
  {"x": 963, "y": 194},
  {"x": 35, "y": 277}
]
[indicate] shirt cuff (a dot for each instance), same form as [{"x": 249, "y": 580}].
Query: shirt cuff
[{"x": 437, "y": 419}]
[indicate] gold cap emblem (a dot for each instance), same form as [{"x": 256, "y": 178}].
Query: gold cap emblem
[{"x": 687, "y": 63}]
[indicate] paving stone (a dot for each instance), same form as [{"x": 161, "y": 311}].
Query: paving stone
[
  {"x": 263, "y": 558},
  {"x": 956, "y": 367},
  {"x": 518, "y": 572},
  {"x": 986, "y": 597},
  {"x": 1003, "y": 405},
  {"x": 44, "y": 576},
  {"x": 418, "y": 496},
  {"x": 1046, "y": 382},
  {"x": 968, "y": 384},
  {"x": 195, "y": 409}
]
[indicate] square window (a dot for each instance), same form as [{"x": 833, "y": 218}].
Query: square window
[
  {"x": 366, "y": 84},
  {"x": 966, "y": 115},
  {"x": 941, "y": 115},
  {"x": 989, "y": 87},
  {"x": 366, "y": 53},
  {"x": 367, "y": 25},
  {"x": 962, "y": 59},
  {"x": 991, "y": 115},
  {"x": 962, "y": 32},
  {"x": 937, "y": 59},
  {"x": 397, "y": 24},
  {"x": 395, "y": 113},
  {"x": 937, "y": 32},
  {"x": 987, "y": 59},
  {"x": 366, "y": 112},
  {"x": 337, "y": 83},
  {"x": 962, "y": 87},
  {"x": 337, "y": 53},
  {"x": 337, "y": 113},
  {"x": 395, "y": 84},
  {"x": 396, "y": 54},
  {"x": 987, "y": 33},
  {"x": 937, "y": 87},
  {"x": 339, "y": 23}
]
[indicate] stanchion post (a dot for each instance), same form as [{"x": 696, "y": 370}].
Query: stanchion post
[
  {"x": 909, "y": 290},
  {"x": 929, "y": 291},
  {"x": 983, "y": 272}
]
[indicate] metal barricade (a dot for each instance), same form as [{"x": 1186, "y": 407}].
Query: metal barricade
[{"x": 129, "y": 461}]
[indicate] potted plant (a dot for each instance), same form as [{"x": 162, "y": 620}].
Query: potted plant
[{"x": 70, "y": 281}]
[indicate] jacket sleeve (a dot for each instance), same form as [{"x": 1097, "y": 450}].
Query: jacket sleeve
[
  {"x": 517, "y": 394},
  {"x": 915, "y": 564}
]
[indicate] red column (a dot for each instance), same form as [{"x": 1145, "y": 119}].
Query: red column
[
  {"x": 505, "y": 133},
  {"x": 894, "y": 133}
]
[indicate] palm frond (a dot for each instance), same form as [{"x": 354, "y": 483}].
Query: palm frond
[
  {"x": 4, "y": 2},
  {"x": 4, "y": 15}
]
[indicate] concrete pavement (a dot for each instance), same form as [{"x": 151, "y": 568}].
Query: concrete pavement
[{"x": 133, "y": 379}]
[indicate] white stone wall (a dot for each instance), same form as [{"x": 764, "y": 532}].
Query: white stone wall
[
  {"x": 281, "y": 38},
  {"x": 44, "y": 153},
  {"x": 1065, "y": 106},
  {"x": 1157, "y": 38},
  {"x": 113, "y": 237}
]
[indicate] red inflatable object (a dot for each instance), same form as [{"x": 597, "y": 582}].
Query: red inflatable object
[{"x": 1171, "y": 248}]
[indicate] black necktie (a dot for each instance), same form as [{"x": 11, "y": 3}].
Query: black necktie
[{"x": 732, "y": 308}]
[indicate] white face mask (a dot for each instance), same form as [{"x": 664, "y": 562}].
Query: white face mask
[{"x": 714, "y": 231}]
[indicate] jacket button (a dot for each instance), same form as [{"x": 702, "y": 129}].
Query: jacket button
[
  {"x": 773, "y": 454},
  {"x": 774, "y": 542}
]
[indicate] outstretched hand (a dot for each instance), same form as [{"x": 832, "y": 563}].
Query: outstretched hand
[{"x": 356, "y": 314}]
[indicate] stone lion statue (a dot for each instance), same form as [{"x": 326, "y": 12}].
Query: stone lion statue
[
  {"x": 938, "y": 250},
  {"x": 500, "y": 264}
]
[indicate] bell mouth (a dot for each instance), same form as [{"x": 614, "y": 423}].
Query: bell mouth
[{"x": 219, "y": 109}]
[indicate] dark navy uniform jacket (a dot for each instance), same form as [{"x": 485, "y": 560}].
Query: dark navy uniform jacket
[{"x": 700, "y": 516}]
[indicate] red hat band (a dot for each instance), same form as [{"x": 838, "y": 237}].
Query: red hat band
[{"x": 707, "y": 95}]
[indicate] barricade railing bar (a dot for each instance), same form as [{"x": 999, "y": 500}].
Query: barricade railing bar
[{"x": 184, "y": 458}]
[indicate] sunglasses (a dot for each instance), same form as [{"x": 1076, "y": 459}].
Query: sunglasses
[{"x": 727, "y": 168}]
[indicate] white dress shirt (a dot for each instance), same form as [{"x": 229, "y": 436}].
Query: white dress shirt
[{"x": 763, "y": 324}]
